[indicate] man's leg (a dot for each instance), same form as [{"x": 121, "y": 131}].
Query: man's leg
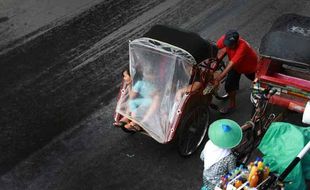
[
  {"x": 231, "y": 87},
  {"x": 232, "y": 99},
  {"x": 250, "y": 76}
]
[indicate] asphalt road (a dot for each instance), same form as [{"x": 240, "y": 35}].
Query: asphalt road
[{"x": 58, "y": 94}]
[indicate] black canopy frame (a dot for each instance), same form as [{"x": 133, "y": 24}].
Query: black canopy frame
[
  {"x": 194, "y": 44},
  {"x": 288, "y": 40}
]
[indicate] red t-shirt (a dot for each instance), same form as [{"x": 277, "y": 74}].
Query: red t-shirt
[{"x": 243, "y": 56}]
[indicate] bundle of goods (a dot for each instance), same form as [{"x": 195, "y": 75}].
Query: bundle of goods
[{"x": 245, "y": 178}]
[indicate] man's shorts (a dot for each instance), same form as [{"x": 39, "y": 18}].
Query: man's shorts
[{"x": 233, "y": 79}]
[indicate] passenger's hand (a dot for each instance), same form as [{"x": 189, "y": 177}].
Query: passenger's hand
[{"x": 178, "y": 95}]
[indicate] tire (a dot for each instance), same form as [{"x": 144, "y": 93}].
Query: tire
[
  {"x": 252, "y": 137},
  {"x": 221, "y": 93},
  {"x": 193, "y": 129}
]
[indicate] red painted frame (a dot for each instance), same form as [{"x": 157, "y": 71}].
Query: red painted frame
[{"x": 294, "y": 92}]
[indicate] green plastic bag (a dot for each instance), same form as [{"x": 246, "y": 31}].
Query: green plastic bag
[{"x": 280, "y": 145}]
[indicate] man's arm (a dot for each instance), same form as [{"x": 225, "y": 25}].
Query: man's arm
[
  {"x": 239, "y": 55},
  {"x": 223, "y": 74},
  {"x": 220, "y": 42}
]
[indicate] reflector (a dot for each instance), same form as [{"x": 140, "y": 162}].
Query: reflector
[{"x": 306, "y": 115}]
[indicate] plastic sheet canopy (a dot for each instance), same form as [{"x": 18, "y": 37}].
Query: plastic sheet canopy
[
  {"x": 158, "y": 72},
  {"x": 280, "y": 145}
]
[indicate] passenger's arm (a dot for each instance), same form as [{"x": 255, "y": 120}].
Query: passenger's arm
[
  {"x": 192, "y": 87},
  {"x": 135, "y": 90},
  {"x": 133, "y": 94}
]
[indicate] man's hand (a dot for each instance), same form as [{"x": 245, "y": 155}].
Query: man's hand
[
  {"x": 218, "y": 78},
  {"x": 216, "y": 82}
]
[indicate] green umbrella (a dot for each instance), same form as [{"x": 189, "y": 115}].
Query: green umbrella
[{"x": 225, "y": 133}]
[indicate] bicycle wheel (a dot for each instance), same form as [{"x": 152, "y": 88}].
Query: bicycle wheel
[
  {"x": 221, "y": 93},
  {"x": 193, "y": 129}
]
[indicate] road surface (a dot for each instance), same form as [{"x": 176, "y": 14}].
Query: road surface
[{"x": 58, "y": 88}]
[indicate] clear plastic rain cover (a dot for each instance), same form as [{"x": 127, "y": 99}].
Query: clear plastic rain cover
[{"x": 157, "y": 74}]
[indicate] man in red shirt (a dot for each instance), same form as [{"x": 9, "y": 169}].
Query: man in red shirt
[{"x": 242, "y": 60}]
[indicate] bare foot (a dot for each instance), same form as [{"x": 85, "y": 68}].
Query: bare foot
[{"x": 132, "y": 127}]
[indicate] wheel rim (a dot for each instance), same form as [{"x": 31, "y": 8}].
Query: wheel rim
[
  {"x": 192, "y": 136},
  {"x": 221, "y": 93}
]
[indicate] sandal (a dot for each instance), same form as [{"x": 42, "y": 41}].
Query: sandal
[
  {"x": 127, "y": 130},
  {"x": 119, "y": 124},
  {"x": 137, "y": 127},
  {"x": 227, "y": 110},
  {"x": 132, "y": 127}
]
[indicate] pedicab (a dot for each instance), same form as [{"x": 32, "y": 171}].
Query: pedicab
[
  {"x": 285, "y": 62},
  {"x": 163, "y": 63},
  {"x": 282, "y": 80},
  {"x": 285, "y": 67}
]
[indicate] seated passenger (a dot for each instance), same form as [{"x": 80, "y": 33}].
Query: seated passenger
[
  {"x": 224, "y": 134},
  {"x": 126, "y": 76},
  {"x": 127, "y": 80},
  {"x": 144, "y": 98}
]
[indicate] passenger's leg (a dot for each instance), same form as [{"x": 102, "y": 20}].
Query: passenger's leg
[
  {"x": 124, "y": 120},
  {"x": 134, "y": 105}
]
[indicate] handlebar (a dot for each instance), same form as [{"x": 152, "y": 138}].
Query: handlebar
[
  {"x": 211, "y": 63},
  {"x": 270, "y": 91},
  {"x": 266, "y": 93}
]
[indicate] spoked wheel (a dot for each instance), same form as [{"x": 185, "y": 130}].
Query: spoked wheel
[
  {"x": 193, "y": 129},
  {"x": 221, "y": 93}
]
